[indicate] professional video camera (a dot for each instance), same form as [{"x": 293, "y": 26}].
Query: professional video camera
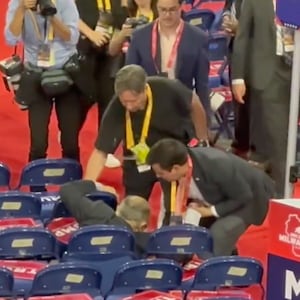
[
  {"x": 137, "y": 22},
  {"x": 47, "y": 8}
]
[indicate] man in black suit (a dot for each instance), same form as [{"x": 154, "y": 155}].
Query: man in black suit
[
  {"x": 222, "y": 186},
  {"x": 241, "y": 143},
  {"x": 262, "y": 45},
  {"x": 133, "y": 212}
]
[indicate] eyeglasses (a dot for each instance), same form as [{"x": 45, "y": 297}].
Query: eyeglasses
[{"x": 171, "y": 10}]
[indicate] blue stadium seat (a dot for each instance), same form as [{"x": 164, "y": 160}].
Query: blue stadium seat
[
  {"x": 5, "y": 176},
  {"x": 180, "y": 240},
  {"x": 139, "y": 275},
  {"x": 31, "y": 242},
  {"x": 54, "y": 172},
  {"x": 50, "y": 172},
  {"x": 6, "y": 282},
  {"x": 100, "y": 242},
  {"x": 19, "y": 205},
  {"x": 228, "y": 271},
  {"x": 202, "y": 18},
  {"x": 67, "y": 278},
  {"x": 108, "y": 198},
  {"x": 60, "y": 211},
  {"x": 217, "y": 47}
]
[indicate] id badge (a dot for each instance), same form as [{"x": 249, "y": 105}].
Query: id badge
[
  {"x": 45, "y": 56},
  {"x": 288, "y": 40},
  {"x": 141, "y": 151},
  {"x": 143, "y": 168}
]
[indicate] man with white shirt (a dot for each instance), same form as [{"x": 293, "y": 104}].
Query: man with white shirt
[
  {"x": 260, "y": 34},
  {"x": 217, "y": 185},
  {"x": 172, "y": 48}
]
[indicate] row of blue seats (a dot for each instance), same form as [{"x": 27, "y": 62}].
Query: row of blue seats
[
  {"x": 43, "y": 172},
  {"x": 136, "y": 276},
  {"x": 44, "y": 206},
  {"x": 104, "y": 242}
]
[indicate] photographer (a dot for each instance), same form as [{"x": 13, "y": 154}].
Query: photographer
[
  {"x": 140, "y": 13},
  {"x": 49, "y": 32},
  {"x": 98, "y": 20}
]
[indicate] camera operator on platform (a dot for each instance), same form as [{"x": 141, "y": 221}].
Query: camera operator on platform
[
  {"x": 144, "y": 111},
  {"x": 49, "y": 32}
]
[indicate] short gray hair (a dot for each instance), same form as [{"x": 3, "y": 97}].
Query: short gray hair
[
  {"x": 134, "y": 208},
  {"x": 130, "y": 78}
]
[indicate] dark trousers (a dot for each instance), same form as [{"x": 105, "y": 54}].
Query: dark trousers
[
  {"x": 241, "y": 140},
  {"x": 104, "y": 83},
  {"x": 68, "y": 112}
]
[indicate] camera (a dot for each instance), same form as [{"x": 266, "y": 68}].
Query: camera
[
  {"x": 11, "y": 68},
  {"x": 47, "y": 8},
  {"x": 137, "y": 22}
]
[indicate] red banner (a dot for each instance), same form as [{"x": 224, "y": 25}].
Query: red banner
[
  {"x": 24, "y": 270},
  {"x": 63, "y": 228}
]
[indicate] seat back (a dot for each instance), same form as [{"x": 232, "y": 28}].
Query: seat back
[
  {"x": 19, "y": 205},
  {"x": 6, "y": 282},
  {"x": 202, "y": 18},
  {"x": 228, "y": 271},
  {"x": 50, "y": 172},
  {"x": 180, "y": 240},
  {"x": 30, "y": 242},
  {"x": 100, "y": 242},
  {"x": 66, "y": 278},
  {"x": 218, "y": 47},
  {"x": 108, "y": 198},
  {"x": 60, "y": 211},
  {"x": 138, "y": 275},
  {"x": 5, "y": 175}
]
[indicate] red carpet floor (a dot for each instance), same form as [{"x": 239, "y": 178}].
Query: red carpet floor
[{"x": 14, "y": 143}]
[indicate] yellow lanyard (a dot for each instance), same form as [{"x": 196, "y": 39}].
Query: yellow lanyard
[
  {"x": 173, "y": 197},
  {"x": 150, "y": 15},
  {"x": 104, "y": 5},
  {"x": 129, "y": 132}
]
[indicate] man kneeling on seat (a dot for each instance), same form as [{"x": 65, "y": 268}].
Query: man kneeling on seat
[{"x": 133, "y": 212}]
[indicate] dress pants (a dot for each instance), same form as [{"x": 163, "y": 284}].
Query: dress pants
[
  {"x": 269, "y": 122},
  {"x": 67, "y": 108},
  {"x": 104, "y": 85}
]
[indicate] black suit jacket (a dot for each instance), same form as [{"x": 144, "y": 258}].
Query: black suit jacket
[
  {"x": 230, "y": 184},
  {"x": 88, "y": 212}
]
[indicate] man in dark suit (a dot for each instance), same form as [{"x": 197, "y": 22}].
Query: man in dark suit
[
  {"x": 259, "y": 44},
  {"x": 241, "y": 143},
  {"x": 172, "y": 48},
  {"x": 221, "y": 186},
  {"x": 133, "y": 212}
]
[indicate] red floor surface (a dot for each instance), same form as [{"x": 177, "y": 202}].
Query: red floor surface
[{"x": 14, "y": 143}]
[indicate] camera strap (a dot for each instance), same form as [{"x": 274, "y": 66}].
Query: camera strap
[{"x": 48, "y": 32}]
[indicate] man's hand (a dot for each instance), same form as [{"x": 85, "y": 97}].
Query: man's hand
[
  {"x": 230, "y": 25},
  {"x": 126, "y": 30},
  {"x": 99, "y": 38},
  {"x": 239, "y": 91},
  {"x": 202, "y": 210},
  {"x": 106, "y": 188},
  {"x": 29, "y": 4}
]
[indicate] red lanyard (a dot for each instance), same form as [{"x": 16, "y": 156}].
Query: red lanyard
[
  {"x": 174, "y": 50},
  {"x": 180, "y": 193}
]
